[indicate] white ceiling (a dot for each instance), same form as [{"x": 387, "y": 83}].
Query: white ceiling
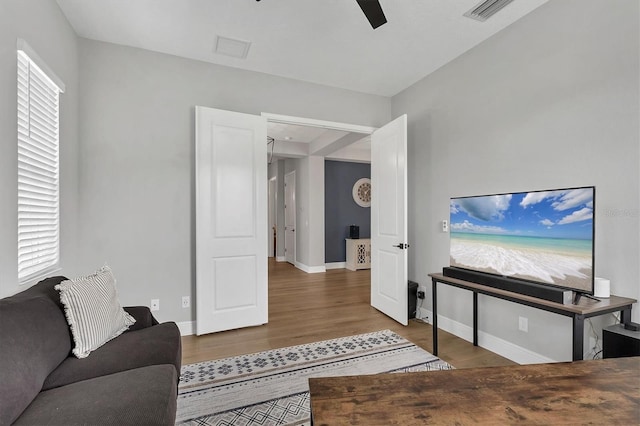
[
  {"x": 292, "y": 141},
  {"x": 329, "y": 42}
]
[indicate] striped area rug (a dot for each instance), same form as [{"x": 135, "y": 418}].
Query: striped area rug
[{"x": 271, "y": 387}]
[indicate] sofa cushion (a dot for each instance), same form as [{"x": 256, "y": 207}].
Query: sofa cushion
[
  {"x": 159, "y": 344},
  {"x": 143, "y": 396},
  {"x": 93, "y": 311},
  {"x": 46, "y": 288},
  {"x": 34, "y": 338}
]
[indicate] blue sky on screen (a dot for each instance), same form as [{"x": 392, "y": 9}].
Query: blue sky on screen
[{"x": 550, "y": 214}]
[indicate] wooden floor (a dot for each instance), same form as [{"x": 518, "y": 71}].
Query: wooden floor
[{"x": 305, "y": 308}]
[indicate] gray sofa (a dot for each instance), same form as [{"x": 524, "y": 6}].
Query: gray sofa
[{"x": 131, "y": 379}]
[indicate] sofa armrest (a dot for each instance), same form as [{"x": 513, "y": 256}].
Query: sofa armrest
[{"x": 142, "y": 314}]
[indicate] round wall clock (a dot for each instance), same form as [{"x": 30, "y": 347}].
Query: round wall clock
[{"x": 362, "y": 192}]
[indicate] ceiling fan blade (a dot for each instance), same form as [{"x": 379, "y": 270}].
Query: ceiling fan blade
[{"x": 373, "y": 11}]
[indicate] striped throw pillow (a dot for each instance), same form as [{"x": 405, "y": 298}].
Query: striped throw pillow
[{"x": 93, "y": 311}]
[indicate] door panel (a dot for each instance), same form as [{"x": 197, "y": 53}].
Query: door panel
[
  {"x": 389, "y": 220},
  {"x": 231, "y": 220},
  {"x": 233, "y": 175}
]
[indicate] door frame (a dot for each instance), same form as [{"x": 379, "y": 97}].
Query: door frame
[
  {"x": 272, "y": 203},
  {"x": 312, "y": 122},
  {"x": 324, "y": 124}
]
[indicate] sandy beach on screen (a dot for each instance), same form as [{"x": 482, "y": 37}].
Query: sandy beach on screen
[{"x": 557, "y": 268}]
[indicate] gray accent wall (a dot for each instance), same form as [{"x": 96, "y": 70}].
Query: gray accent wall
[
  {"x": 340, "y": 209},
  {"x": 552, "y": 101}
]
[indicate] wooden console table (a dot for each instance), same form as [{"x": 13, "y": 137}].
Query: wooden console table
[
  {"x": 596, "y": 392},
  {"x": 586, "y": 308}
]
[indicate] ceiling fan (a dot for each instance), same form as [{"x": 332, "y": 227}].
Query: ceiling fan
[{"x": 373, "y": 11}]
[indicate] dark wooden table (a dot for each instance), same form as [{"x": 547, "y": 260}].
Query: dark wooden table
[{"x": 584, "y": 392}]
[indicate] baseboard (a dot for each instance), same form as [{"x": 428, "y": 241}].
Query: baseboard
[
  {"x": 335, "y": 265},
  {"x": 280, "y": 259},
  {"x": 187, "y": 328},
  {"x": 310, "y": 269},
  {"x": 487, "y": 341}
]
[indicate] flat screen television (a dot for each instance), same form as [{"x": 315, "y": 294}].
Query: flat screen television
[{"x": 544, "y": 237}]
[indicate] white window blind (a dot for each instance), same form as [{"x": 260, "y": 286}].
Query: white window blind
[{"x": 38, "y": 171}]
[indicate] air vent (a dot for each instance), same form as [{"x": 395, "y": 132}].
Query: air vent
[
  {"x": 232, "y": 47},
  {"x": 486, "y": 9}
]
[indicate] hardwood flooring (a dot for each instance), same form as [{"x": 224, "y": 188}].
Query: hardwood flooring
[{"x": 305, "y": 308}]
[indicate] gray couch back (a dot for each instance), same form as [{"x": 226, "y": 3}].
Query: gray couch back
[{"x": 34, "y": 340}]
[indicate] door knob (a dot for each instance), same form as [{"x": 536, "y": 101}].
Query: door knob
[{"x": 402, "y": 246}]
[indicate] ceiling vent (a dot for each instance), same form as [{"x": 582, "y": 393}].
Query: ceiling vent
[
  {"x": 232, "y": 47},
  {"x": 486, "y": 9}
]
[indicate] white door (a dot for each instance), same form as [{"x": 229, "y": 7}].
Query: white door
[
  {"x": 389, "y": 220},
  {"x": 290, "y": 217},
  {"x": 231, "y": 220}
]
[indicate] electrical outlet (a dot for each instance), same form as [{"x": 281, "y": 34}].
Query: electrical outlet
[
  {"x": 422, "y": 288},
  {"x": 523, "y": 324},
  {"x": 420, "y": 294},
  {"x": 445, "y": 225},
  {"x": 186, "y": 301},
  {"x": 155, "y": 304}
]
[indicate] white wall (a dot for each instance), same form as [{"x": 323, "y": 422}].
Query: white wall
[
  {"x": 276, "y": 170},
  {"x": 309, "y": 195},
  {"x": 43, "y": 26},
  {"x": 550, "y": 102},
  {"x": 137, "y": 157},
  {"x": 310, "y": 214}
]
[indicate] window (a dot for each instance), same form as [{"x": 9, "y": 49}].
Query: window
[{"x": 38, "y": 167}]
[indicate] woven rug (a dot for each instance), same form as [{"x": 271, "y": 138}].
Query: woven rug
[{"x": 271, "y": 388}]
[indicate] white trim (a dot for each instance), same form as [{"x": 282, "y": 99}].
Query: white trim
[
  {"x": 280, "y": 259},
  {"x": 335, "y": 265},
  {"x": 487, "y": 341},
  {"x": 23, "y": 46},
  {"x": 311, "y": 122},
  {"x": 310, "y": 269},
  {"x": 187, "y": 328}
]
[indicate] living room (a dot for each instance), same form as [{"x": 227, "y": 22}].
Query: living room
[{"x": 551, "y": 101}]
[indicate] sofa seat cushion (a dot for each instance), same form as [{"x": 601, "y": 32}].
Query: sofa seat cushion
[
  {"x": 159, "y": 344},
  {"x": 34, "y": 340},
  {"x": 143, "y": 396}
]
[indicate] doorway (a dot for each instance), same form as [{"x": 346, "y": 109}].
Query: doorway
[
  {"x": 271, "y": 217},
  {"x": 302, "y": 145},
  {"x": 389, "y": 239},
  {"x": 232, "y": 242}
]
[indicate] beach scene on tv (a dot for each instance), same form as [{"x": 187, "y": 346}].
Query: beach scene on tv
[{"x": 542, "y": 236}]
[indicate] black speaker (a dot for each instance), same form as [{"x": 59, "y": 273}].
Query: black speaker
[
  {"x": 618, "y": 342},
  {"x": 540, "y": 291},
  {"x": 413, "y": 299},
  {"x": 354, "y": 232}
]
